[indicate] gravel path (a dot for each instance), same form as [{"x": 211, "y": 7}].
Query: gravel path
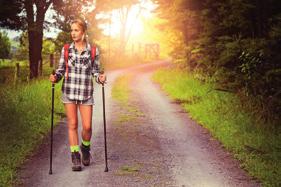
[{"x": 150, "y": 143}]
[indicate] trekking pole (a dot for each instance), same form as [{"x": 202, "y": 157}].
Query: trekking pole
[
  {"x": 52, "y": 126},
  {"x": 104, "y": 127}
]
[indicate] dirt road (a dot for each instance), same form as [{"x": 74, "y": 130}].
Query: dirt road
[{"x": 152, "y": 143}]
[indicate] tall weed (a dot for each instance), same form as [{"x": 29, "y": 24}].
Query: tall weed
[{"x": 24, "y": 120}]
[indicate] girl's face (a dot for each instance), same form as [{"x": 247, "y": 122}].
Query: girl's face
[{"x": 76, "y": 32}]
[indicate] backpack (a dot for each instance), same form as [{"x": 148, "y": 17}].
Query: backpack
[{"x": 66, "y": 53}]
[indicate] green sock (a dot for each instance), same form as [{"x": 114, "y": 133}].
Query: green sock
[
  {"x": 74, "y": 148},
  {"x": 86, "y": 143}
]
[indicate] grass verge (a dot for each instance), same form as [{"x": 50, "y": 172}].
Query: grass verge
[
  {"x": 120, "y": 90},
  {"x": 258, "y": 148},
  {"x": 25, "y": 116},
  {"x": 121, "y": 93},
  {"x": 128, "y": 170}
]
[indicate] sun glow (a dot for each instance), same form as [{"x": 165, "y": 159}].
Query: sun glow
[
  {"x": 137, "y": 14},
  {"x": 134, "y": 24}
]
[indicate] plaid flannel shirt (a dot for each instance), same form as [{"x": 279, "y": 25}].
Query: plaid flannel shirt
[{"x": 79, "y": 84}]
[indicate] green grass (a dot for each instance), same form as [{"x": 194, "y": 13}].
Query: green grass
[
  {"x": 128, "y": 170},
  {"x": 121, "y": 92},
  {"x": 257, "y": 147},
  {"x": 24, "y": 119},
  {"x": 7, "y": 71},
  {"x": 12, "y": 63}
]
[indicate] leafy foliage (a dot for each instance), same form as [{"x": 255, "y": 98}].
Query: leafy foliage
[
  {"x": 5, "y": 45},
  {"x": 22, "y": 51},
  {"x": 257, "y": 149},
  {"x": 10, "y": 14},
  {"x": 236, "y": 43}
]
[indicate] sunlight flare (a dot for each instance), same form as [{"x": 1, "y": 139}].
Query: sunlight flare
[{"x": 134, "y": 21}]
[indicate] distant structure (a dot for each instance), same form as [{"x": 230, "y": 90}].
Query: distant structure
[
  {"x": 152, "y": 50},
  {"x": 148, "y": 50}
]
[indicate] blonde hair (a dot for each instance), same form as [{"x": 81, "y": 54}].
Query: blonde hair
[{"x": 81, "y": 24}]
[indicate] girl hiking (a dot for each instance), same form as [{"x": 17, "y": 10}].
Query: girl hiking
[{"x": 79, "y": 62}]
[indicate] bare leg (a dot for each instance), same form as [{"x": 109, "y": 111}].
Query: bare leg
[
  {"x": 71, "y": 112},
  {"x": 86, "y": 115}
]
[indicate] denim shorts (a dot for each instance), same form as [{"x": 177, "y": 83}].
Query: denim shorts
[{"x": 66, "y": 100}]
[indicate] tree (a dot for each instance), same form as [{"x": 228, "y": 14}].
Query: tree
[
  {"x": 48, "y": 47},
  {"x": 5, "y": 46},
  {"x": 62, "y": 38},
  {"x": 125, "y": 31},
  {"x": 237, "y": 43},
  {"x": 69, "y": 10},
  {"x": 87, "y": 10},
  {"x": 27, "y": 15}
]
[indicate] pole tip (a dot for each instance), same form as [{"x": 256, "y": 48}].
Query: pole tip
[
  {"x": 106, "y": 169},
  {"x": 50, "y": 172}
]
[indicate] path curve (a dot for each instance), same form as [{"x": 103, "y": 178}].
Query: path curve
[{"x": 159, "y": 146}]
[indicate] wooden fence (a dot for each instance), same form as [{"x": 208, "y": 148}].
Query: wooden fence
[{"x": 18, "y": 73}]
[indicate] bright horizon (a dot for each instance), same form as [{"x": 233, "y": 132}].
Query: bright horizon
[{"x": 135, "y": 20}]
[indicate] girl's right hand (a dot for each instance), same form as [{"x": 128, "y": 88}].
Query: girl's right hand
[{"x": 53, "y": 78}]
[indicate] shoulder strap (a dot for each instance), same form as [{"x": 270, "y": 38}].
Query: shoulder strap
[
  {"x": 93, "y": 53},
  {"x": 66, "y": 53}
]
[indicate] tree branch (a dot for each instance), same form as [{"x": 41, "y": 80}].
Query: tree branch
[
  {"x": 48, "y": 4},
  {"x": 29, "y": 12}
]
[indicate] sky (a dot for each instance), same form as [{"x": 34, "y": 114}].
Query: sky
[{"x": 11, "y": 34}]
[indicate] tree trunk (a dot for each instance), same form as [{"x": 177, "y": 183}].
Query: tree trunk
[
  {"x": 123, "y": 20},
  {"x": 35, "y": 22},
  {"x": 35, "y": 47}
]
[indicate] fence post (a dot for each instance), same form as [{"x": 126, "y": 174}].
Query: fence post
[
  {"x": 40, "y": 67},
  {"x": 17, "y": 73}
]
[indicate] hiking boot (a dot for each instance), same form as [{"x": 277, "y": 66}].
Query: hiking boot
[
  {"x": 85, "y": 155},
  {"x": 76, "y": 161}
]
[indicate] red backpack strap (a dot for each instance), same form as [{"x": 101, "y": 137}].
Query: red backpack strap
[
  {"x": 93, "y": 54},
  {"x": 66, "y": 53}
]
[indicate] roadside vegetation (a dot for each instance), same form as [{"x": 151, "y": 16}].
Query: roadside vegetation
[
  {"x": 25, "y": 112},
  {"x": 228, "y": 53},
  {"x": 121, "y": 93},
  {"x": 253, "y": 141},
  {"x": 234, "y": 43},
  {"x": 120, "y": 90},
  {"x": 25, "y": 117}
]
